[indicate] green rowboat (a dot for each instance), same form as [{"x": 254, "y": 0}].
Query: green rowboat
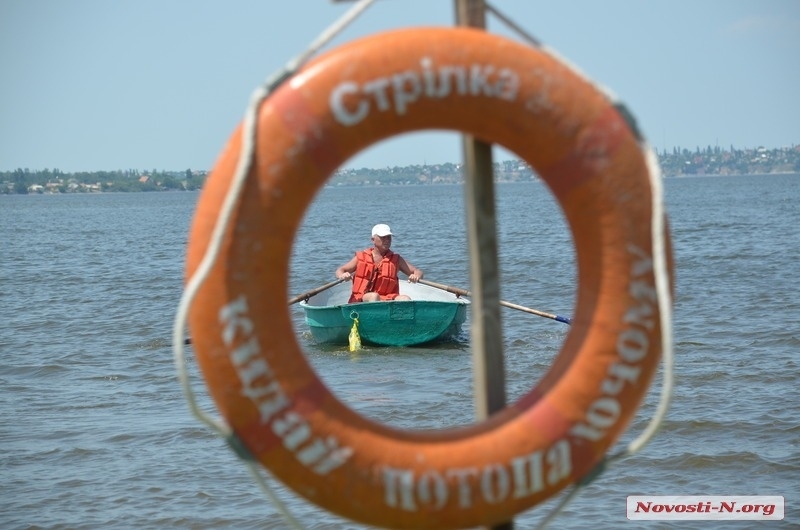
[{"x": 430, "y": 315}]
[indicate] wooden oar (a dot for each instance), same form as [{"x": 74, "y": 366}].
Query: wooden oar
[
  {"x": 303, "y": 296},
  {"x": 308, "y": 294},
  {"x": 462, "y": 292}
]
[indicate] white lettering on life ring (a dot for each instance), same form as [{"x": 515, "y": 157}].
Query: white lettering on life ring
[
  {"x": 521, "y": 477},
  {"x": 259, "y": 385},
  {"x": 351, "y": 103},
  {"x": 632, "y": 346}
]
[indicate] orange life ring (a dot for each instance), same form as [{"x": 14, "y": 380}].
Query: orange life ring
[{"x": 371, "y": 89}]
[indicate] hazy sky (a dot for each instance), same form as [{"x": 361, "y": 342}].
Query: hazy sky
[{"x": 90, "y": 85}]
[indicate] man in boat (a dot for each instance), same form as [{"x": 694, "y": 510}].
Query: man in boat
[{"x": 374, "y": 270}]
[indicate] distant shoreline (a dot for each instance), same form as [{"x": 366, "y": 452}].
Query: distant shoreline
[
  {"x": 345, "y": 186},
  {"x": 681, "y": 163}
]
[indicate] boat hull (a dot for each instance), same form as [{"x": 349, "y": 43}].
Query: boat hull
[{"x": 431, "y": 315}]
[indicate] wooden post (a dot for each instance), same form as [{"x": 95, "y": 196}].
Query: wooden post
[
  {"x": 487, "y": 331},
  {"x": 487, "y": 340}
]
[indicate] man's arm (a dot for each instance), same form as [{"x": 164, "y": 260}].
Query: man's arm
[
  {"x": 414, "y": 274},
  {"x": 345, "y": 272}
]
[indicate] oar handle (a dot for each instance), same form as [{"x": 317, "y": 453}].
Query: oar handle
[
  {"x": 463, "y": 292},
  {"x": 308, "y": 294},
  {"x": 449, "y": 289}
]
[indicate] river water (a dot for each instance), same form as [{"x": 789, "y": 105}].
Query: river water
[{"x": 95, "y": 432}]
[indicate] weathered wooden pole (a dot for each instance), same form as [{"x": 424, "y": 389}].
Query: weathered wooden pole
[
  {"x": 487, "y": 340},
  {"x": 487, "y": 332}
]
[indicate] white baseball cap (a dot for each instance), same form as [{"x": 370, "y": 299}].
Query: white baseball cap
[{"x": 381, "y": 230}]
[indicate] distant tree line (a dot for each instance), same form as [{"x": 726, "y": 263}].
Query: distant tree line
[
  {"x": 678, "y": 162},
  {"x": 57, "y": 181},
  {"x": 717, "y": 161}
]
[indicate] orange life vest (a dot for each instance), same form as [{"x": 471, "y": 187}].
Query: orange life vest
[{"x": 378, "y": 278}]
